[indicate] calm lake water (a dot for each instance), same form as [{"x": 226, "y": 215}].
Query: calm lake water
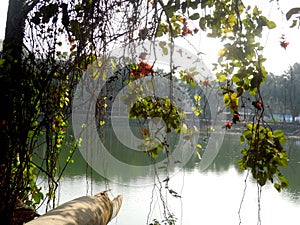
[{"x": 208, "y": 197}]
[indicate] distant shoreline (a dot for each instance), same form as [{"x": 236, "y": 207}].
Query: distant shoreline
[{"x": 291, "y": 130}]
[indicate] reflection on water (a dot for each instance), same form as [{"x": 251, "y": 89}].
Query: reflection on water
[{"x": 208, "y": 197}]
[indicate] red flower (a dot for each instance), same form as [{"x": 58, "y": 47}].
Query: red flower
[
  {"x": 257, "y": 104},
  {"x": 186, "y": 30},
  {"x": 142, "y": 69},
  {"x": 144, "y": 132},
  {"x": 228, "y": 125},
  {"x": 205, "y": 83},
  {"x": 283, "y": 42}
]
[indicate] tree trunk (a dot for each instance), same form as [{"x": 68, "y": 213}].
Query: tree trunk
[
  {"x": 14, "y": 31},
  {"x": 87, "y": 210},
  {"x": 12, "y": 121},
  {"x": 9, "y": 88}
]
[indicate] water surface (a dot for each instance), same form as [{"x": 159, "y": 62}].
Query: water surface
[{"x": 208, "y": 197}]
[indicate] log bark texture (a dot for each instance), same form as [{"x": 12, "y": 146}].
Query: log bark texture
[{"x": 89, "y": 210}]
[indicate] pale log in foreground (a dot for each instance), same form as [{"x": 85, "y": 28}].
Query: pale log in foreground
[{"x": 89, "y": 210}]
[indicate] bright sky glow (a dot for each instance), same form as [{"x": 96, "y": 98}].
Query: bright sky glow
[
  {"x": 278, "y": 59},
  {"x": 3, "y": 15}
]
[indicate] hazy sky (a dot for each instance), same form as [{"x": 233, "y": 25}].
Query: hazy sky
[{"x": 278, "y": 59}]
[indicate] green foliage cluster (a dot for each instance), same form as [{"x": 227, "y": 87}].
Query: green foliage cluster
[
  {"x": 150, "y": 107},
  {"x": 239, "y": 71},
  {"x": 264, "y": 155},
  {"x": 32, "y": 194},
  {"x": 142, "y": 107}
]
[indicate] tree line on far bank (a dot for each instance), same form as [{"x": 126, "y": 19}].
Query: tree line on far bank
[{"x": 281, "y": 95}]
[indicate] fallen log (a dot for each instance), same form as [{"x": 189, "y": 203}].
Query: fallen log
[{"x": 86, "y": 210}]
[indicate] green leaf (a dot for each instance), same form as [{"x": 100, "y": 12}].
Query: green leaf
[
  {"x": 165, "y": 51},
  {"x": 271, "y": 24},
  {"x": 226, "y": 99},
  {"x": 247, "y": 134},
  {"x": 162, "y": 44},
  {"x": 235, "y": 78},
  {"x": 159, "y": 147},
  {"x": 277, "y": 187},
  {"x": 153, "y": 153},
  {"x": 37, "y": 197},
  {"x": 202, "y": 23},
  {"x": 278, "y": 133},
  {"x": 197, "y": 112},
  {"x": 2, "y": 62},
  {"x": 221, "y": 77},
  {"x": 256, "y": 11},
  {"x": 170, "y": 10},
  {"x": 252, "y": 91},
  {"x": 283, "y": 180},
  {"x": 282, "y": 140},
  {"x": 194, "y": 4},
  {"x": 262, "y": 178},
  {"x": 283, "y": 162},
  {"x": 88, "y": 1},
  {"x": 197, "y": 97},
  {"x": 242, "y": 139},
  {"x": 244, "y": 151},
  {"x": 294, "y": 23},
  {"x": 195, "y": 16},
  {"x": 241, "y": 164}
]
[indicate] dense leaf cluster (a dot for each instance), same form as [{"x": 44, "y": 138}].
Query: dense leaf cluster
[{"x": 264, "y": 155}]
